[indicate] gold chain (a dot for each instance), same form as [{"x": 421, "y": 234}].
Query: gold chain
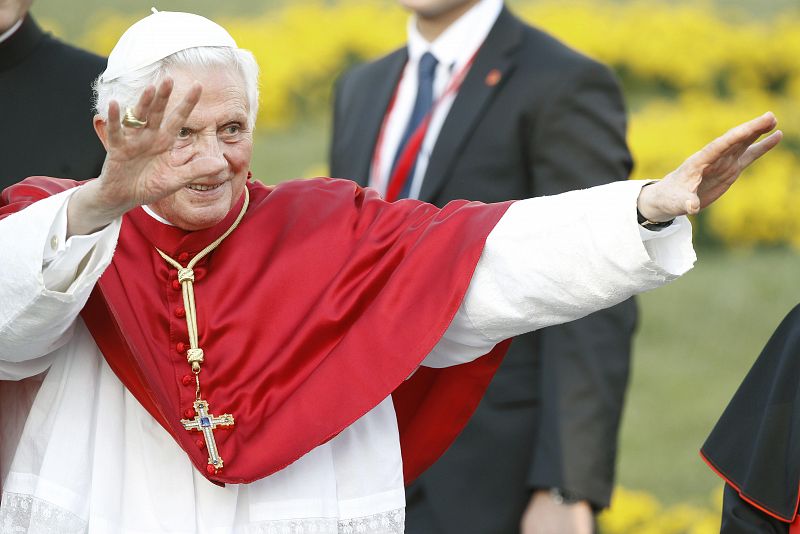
[{"x": 194, "y": 355}]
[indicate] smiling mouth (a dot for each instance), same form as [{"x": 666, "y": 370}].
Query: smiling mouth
[{"x": 201, "y": 187}]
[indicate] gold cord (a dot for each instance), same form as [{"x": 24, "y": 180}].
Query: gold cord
[{"x": 194, "y": 355}]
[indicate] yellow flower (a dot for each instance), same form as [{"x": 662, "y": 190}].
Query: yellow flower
[
  {"x": 629, "y": 511},
  {"x": 635, "y": 512}
]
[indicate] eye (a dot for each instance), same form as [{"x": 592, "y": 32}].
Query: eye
[
  {"x": 184, "y": 133},
  {"x": 232, "y": 129}
]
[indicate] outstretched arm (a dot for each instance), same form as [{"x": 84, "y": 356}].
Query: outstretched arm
[
  {"x": 587, "y": 254},
  {"x": 552, "y": 260}
]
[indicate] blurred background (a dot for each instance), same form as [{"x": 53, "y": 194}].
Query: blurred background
[{"x": 690, "y": 70}]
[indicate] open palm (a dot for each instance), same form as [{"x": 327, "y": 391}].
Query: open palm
[
  {"x": 707, "y": 174},
  {"x": 138, "y": 168}
]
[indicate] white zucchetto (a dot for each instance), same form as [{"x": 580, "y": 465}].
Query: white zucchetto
[{"x": 160, "y": 35}]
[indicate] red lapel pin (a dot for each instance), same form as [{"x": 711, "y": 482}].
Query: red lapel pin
[{"x": 493, "y": 78}]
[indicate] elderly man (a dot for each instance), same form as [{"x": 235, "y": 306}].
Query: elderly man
[{"x": 226, "y": 357}]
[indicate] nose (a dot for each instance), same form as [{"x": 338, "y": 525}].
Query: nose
[{"x": 210, "y": 147}]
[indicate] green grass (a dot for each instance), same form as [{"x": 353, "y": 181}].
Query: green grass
[{"x": 696, "y": 342}]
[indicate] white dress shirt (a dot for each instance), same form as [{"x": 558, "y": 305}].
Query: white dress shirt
[
  {"x": 79, "y": 454},
  {"x": 452, "y": 49}
]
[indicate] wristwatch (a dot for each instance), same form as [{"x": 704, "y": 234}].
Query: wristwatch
[
  {"x": 646, "y": 223},
  {"x": 561, "y": 496}
]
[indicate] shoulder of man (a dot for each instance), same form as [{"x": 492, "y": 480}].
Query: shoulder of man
[
  {"x": 547, "y": 56},
  {"x": 77, "y": 58},
  {"x": 78, "y": 61},
  {"x": 368, "y": 72}
]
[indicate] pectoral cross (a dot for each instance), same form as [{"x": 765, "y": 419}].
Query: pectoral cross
[{"x": 206, "y": 423}]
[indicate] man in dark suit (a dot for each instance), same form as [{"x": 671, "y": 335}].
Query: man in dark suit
[
  {"x": 483, "y": 107},
  {"x": 45, "y": 102}
]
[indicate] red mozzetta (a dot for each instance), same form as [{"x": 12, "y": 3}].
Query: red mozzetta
[{"x": 316, "y": 308}]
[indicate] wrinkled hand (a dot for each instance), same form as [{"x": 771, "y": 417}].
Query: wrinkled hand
[
  {"x": 138, "y": 168},
  {"x": 545, "y": 516},
  {"x": 706, "y": 175}
]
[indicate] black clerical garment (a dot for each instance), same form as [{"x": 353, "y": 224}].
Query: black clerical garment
[
  {"x": 46, "y": 106},
  {"x": 755, "y": 445}
]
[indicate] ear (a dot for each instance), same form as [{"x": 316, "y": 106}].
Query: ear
[{"x": 99, "y": 124}]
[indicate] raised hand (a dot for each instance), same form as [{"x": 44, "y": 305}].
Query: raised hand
[
  {"x": 707, "y": 174},
  {"x": 139, "y": 168}
]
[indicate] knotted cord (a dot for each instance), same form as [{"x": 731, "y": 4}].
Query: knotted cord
[{"x": 194, "y": 354}]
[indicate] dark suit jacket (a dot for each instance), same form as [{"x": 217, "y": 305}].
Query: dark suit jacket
[
  {"x": 555, "y": 122},
  {"x": 46, "y": 106}
]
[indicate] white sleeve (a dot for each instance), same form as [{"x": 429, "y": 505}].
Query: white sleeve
[
  {"x": 44, "y": 282},
  {"x": 552, "y": 260}
]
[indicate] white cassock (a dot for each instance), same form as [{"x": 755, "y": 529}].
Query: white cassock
[{"x": 79, "y": 454}]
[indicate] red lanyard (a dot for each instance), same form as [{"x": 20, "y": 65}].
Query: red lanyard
[{"x": 405, "y": 162}]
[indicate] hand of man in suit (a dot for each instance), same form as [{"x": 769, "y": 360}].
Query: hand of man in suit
[{"x": 544, "y": 515}]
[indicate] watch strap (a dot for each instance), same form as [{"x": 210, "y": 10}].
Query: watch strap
[{"x": 646, "y": 223}]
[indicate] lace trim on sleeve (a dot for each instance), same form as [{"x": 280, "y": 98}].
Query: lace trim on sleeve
[
  {"x": 25, "y": 514},
  {"x": 391, "y": 522}
]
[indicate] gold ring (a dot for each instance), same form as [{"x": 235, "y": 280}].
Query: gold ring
[{"x": 131, "y": 120}]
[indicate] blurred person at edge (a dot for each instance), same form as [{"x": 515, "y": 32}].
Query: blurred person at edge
[
  {"x": 755, "y": 445},
  {"x": 328, "y": 359},
  {"x": 532, "y": 117},
  {"x": 41, "y": 75}
]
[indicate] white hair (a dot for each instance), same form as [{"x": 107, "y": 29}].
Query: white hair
[{"x": 127, "y": 88}]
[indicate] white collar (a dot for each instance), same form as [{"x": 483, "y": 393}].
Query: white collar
[
  {"x": 148, "y": 210},
  {"x": 9, "y": 32},
  {"x": 456, "y": 45}
]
